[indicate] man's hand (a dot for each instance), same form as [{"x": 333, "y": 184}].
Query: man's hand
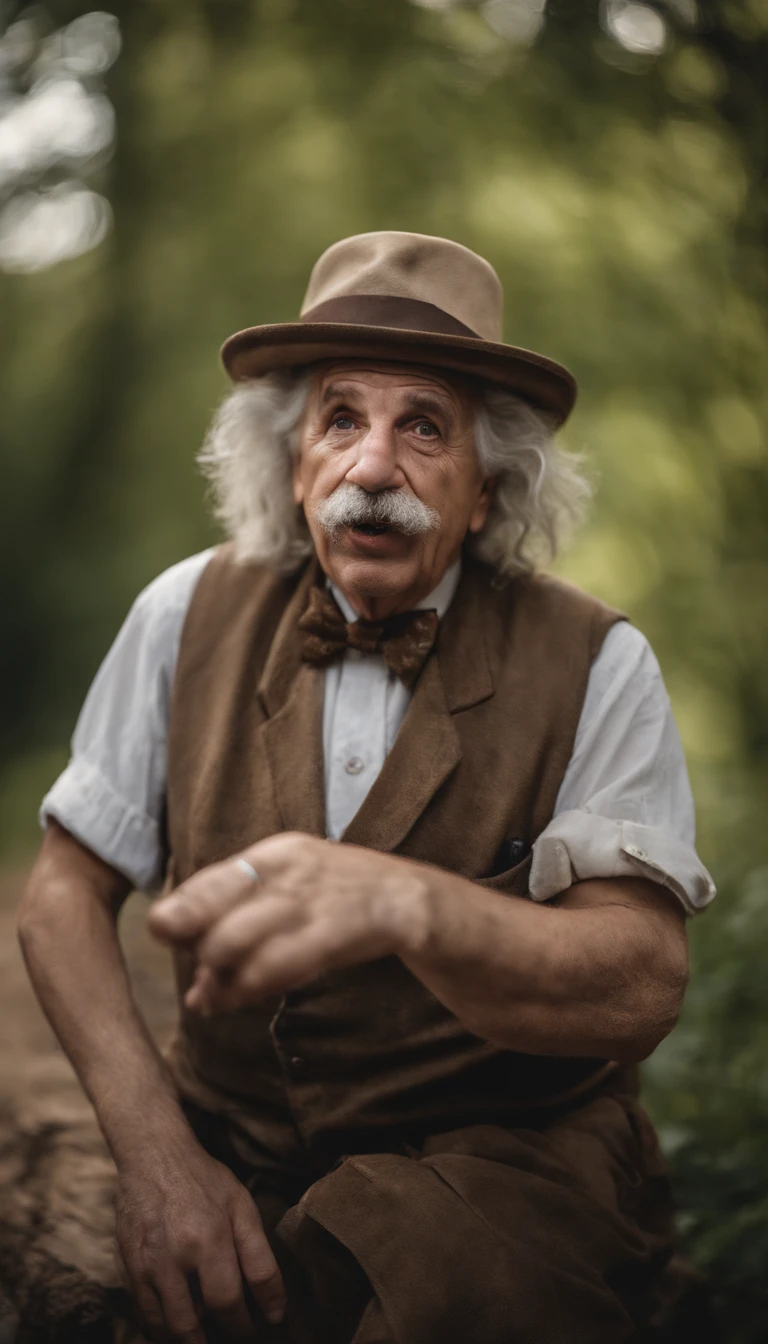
[
  {"x": 188, "y": 1232},
  {"x": 317, "y": 905},
  {"x": 600, "y": 974},
  {"x": 190, "y": 1237}
]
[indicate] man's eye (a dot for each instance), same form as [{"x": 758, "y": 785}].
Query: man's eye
[
  {"x": 342, "y": 422},
  {"x": 425, "y": 429}
]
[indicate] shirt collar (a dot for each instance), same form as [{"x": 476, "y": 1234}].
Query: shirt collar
[{"x": 440, "y": 598}]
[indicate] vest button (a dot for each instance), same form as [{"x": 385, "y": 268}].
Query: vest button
[
  {"x": 517, "y": 850},
  {"x": 354, "y": 765},
  {"x": 298, "y": 1065}
]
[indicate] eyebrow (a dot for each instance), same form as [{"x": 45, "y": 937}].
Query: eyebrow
[
  {"x": 431, "y": 401},
  {"x": 334, "y": 391}
]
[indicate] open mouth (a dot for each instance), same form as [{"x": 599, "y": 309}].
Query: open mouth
[
  {"x": 371, "y": 529},
  {"x": 376, "y": 539}
]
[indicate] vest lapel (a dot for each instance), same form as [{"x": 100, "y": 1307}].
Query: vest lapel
[
  {"x": 291, "y": 692},
  {"x": 425, "y": 752},
  {"x": 427, "y": 748}
]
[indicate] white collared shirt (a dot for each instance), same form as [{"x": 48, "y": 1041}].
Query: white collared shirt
[
  {"x": 364, "y": 704},
  {"x": 624, "y": 807}
]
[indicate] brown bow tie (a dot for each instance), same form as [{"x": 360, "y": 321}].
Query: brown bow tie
[{"x": 404, "y": 641}]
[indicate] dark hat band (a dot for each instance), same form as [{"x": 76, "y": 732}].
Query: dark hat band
[{"x": 388, "y": 310}]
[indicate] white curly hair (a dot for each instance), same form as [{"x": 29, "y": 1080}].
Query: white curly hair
[{"x": 541, "y": 491}]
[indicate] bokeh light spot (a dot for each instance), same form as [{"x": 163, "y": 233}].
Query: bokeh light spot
[
  {"x": 39, "y": 229},
  {"x": 515, "y": 20},
  {"x": 636, "y": 27},
  {"x": 91, "y": 43},
  {"x": 17, "y": 44},
  {"x": 58, "y": 120}
]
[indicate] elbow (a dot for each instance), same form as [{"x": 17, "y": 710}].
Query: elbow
[
  {"x": 637, "y": 1046},
  {"x": 33, "y": 921},
  {"x": 45, "y": 912},
  {"x": 70, "y": 894},
  {"x": 647, "y": 1022}
]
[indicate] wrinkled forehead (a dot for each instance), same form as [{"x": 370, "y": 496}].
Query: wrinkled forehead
[{"x": 361, "y": 376}]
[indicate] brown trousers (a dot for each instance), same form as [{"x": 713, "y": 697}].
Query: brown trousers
[{"x": 552, "y": 1234}]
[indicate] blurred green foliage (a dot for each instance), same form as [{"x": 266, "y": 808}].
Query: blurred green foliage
[{"x": 619, "y": 187}]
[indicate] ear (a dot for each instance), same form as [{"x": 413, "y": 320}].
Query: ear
[{"x": 482, "y": 505}]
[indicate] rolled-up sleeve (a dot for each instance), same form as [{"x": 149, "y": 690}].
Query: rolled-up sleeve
[
  {"x": 111, "y": 796},
  {"x": 625, "y": 807}
]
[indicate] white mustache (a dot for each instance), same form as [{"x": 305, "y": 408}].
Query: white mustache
[{"x": 351, "y": 505}]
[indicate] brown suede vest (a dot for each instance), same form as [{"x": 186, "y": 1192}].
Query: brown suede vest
[{"x": 469, "y": 784}]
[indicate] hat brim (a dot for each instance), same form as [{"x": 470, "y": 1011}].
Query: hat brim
[{"x": 542, "y": 382}]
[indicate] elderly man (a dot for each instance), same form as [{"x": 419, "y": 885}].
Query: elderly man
[{"x": 427, "y": 839}]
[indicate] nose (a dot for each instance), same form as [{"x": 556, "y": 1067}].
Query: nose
[{"x": 376, "y": 466}]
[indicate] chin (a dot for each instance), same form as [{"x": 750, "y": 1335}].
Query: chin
[{"x": 378, "y": 577}]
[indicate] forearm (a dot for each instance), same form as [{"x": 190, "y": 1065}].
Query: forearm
[
  {"x": 69, "y": 939},
  {"x": 603, "y": 980},
  {"x": 601, "y": 974}
]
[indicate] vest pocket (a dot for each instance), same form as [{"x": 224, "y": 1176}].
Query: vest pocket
[{"x": 512, "y": 878}]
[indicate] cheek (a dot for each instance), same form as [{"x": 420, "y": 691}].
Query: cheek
[
  {"x": 432, "y": 478},
  {"x": 317, "y": 471},
  {"x": 306, "y": 466},
  {"x": 449, "y": 485}
]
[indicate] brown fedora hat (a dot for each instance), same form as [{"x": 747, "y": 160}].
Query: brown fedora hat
[{"x": 409, "y": 298}]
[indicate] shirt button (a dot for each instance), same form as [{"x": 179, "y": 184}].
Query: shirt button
[
  {"x": 298, "y": 1065},
  {"x": 637, "y": 853},
  {"x": 354, "y": 765}
]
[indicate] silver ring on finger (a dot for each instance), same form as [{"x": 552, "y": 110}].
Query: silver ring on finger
[{"x": 248, "y": 869}]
